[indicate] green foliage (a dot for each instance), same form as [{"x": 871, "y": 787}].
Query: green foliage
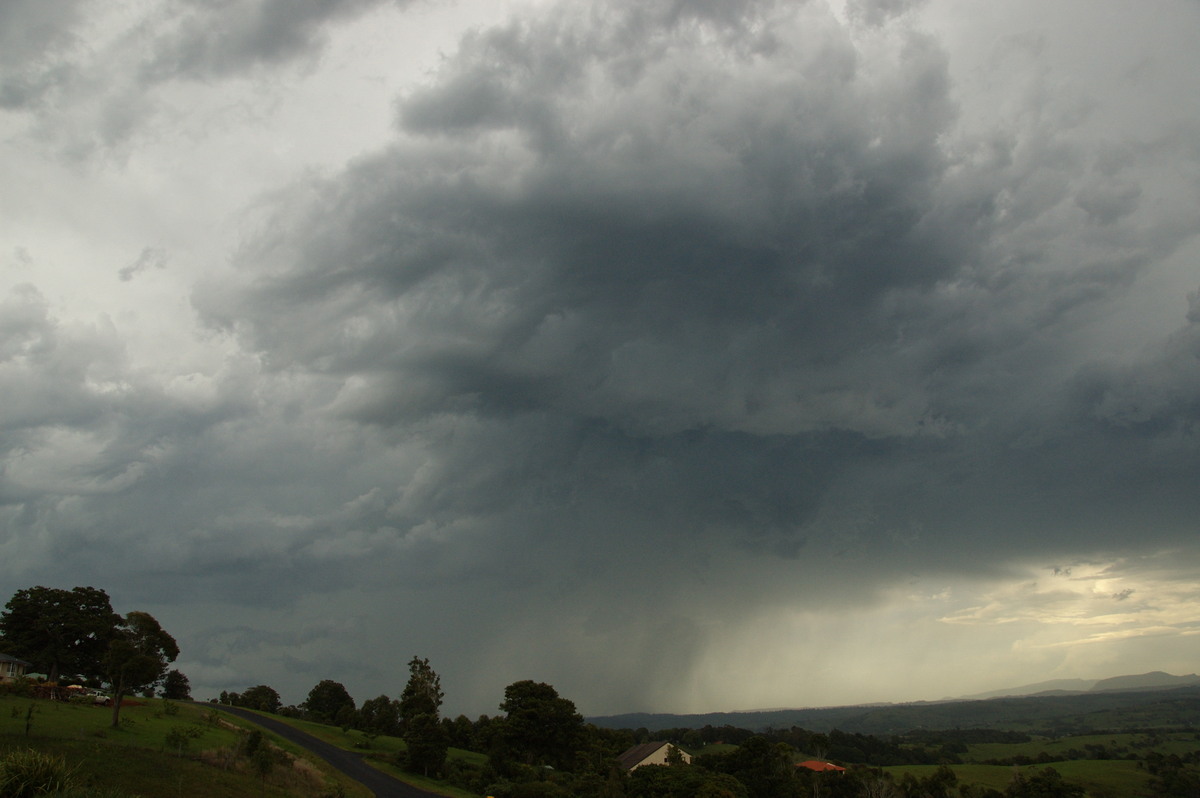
[
  {"x": 176, "y": 686},
  {"x": 380, "y": 715},
  {"x": 327, "y": 700},
  {"x": 426, "y": 743},
  {"x": 1045, "y": 783},
  {"x": 1171, "y": 776},
  {"x": 661, "y": 781},
  {"x": 263, "y": 761},
  {"x": 260, "y": 697},
  {"x": 540, "y": 727},
  {"x": 423, "y": 693},
  {"x": 28, "y": 773},
  {"x": 251, "y": 742},
  {"x": 59, "y": 631},
  {"x": 179, "y": 737},
  {"x": 138, "y": 653},
  {"x": 766, "y": 769}
]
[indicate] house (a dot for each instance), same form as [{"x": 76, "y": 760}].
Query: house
[
  {"x": 817, "y": 765},
  {"x": 650, "y": 754},
  {"x": 11, "y": 668}
]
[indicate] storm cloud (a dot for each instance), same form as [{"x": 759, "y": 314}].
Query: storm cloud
[{"x": 652, "y": 343}]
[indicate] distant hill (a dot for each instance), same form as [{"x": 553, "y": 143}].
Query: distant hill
[
  {"x": 1155, "y": 680},
  {"x": 1138, "y": 704},
  {"x": 1037, "y": 688}
]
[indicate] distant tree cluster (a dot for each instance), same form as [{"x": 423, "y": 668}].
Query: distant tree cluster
[{"x": 260, "y": 697}]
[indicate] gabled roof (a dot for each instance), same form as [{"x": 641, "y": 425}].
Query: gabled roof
[
  {"x": 639, "y": 752},
  {"x": 6, "y": 658},
  {"x": 817, "y": 765}
]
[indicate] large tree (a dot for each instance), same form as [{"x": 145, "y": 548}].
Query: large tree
[
  {"x": 419, "y": 705},
  {"x": 328, "y": 701},
  {"x": 423, "y": 693},
  {"x": 60, "y": 631},
  {"x": 261, "y": 697},
  {"x": 541, "y": 728},
  {"x": 138, "y": 654},
  {"x": 426, "y": 744},
  {"x": 380, "y": 715},
  {"x": 176, "y": 686}
]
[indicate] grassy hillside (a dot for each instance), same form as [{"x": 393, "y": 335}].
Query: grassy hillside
[{"x": 161, "y": 749}]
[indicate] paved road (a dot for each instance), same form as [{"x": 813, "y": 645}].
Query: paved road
[{"x": 383, "y": 785}]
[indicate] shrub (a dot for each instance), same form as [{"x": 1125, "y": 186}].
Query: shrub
[{"x": 24, "y": 774}]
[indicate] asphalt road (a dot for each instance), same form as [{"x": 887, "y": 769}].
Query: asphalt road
[{"x": 383, "y": 785}]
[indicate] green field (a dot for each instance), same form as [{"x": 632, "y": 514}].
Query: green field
[
  {"x": 1103, "y": 746},
  {"x": 1101, "y": 778}
]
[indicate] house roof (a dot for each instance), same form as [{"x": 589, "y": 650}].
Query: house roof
[
  {"x": 813, "y": 764},
  {"x": 639, "y": 752},
  {"x": 6, "y": 658}
]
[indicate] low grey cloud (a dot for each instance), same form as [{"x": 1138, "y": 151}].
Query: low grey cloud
[
  {"x": 33, "y": 35},
  {"x": 88, "y": 77},
  {"x": 216, "y": 40},
  {"x": 150, "y": 258}
]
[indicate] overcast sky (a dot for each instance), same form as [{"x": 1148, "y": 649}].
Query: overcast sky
[{"x": 688, "y": 356}]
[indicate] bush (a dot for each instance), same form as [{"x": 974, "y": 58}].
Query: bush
[{"x": 24, "y": 774}]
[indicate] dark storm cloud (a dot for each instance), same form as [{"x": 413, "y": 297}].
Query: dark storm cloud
[
  {"x": 713, "y": 270},
  {"x": 700, "y": 307},
  {"x": 726, "y": 231},
  {"x": 32, "y": 33},
  {"x": 89, "y": 75},
  {"x": 226, "y": 38}
]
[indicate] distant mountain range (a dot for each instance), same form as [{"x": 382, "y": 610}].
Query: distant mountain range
[
  {"x": 1147, "y": 700},
  {"x": 1155, "y": 680}
]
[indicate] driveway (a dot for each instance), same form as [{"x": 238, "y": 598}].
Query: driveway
[{"x": 383, "y": 785}]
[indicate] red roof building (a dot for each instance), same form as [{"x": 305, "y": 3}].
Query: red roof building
[{"x": 819, "y": 766}]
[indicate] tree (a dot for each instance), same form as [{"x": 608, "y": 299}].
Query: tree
[
  {"x": 260, "y": 697},
  {"x": 326, "y": 700},
  {"x": 540, "y": 727},
  {"x": 138, "y": 654},
  {"x": 423, "y": 693},
  {"x": 380, "y": 715},
  {"x": 419, "y": 704},
  {"x": 176, "y": 687},
  {"x": 59, "y": 631},
  {"x": 765, "y": 768},
  {"x": 426, "y": 743}
]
